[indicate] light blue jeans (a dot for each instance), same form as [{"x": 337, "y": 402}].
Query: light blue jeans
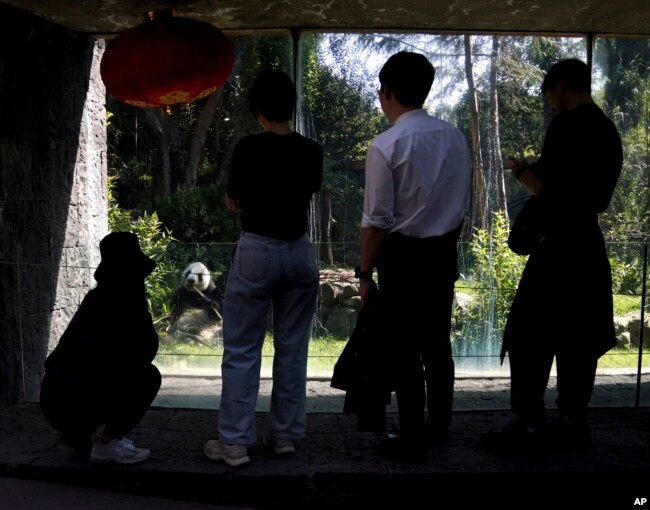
[{"x": 267, "y": 273}]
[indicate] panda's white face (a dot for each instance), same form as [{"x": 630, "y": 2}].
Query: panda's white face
[{"x": 196, "y": 276}]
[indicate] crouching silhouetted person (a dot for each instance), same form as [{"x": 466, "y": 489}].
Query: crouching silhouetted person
[{"x": 101, "y": 372}]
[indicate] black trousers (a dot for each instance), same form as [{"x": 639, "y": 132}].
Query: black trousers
[
  {"x": 530, "y": 367},
  {"x": 79, "y": 407},
  {"x": 417, "y": 276},
  {"x": 534, "y": 335}
]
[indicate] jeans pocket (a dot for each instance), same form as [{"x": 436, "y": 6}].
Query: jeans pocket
[
  {"x": 304, "y": 262},
  {"x": 251, "y": 262}
]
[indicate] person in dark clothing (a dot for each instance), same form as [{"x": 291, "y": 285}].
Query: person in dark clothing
[
  {"x": 101, "y": 371},
  {"x": 273, "y": 175},
  {"x": 567, "y": 269}
]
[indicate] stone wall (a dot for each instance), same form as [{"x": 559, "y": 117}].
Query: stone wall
[
  {"x": 338, "y": 303},
  {"x": 53, "y": 190},
  {"x": 629, "y": 331}
]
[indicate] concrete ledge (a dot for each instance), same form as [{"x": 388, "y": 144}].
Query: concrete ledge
[{"x": 336, "y": 466}]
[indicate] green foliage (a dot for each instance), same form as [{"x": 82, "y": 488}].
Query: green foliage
[
  {"x": 521, "y": 122},
  {"x": 344, "y": 119},
  {"x": 625, "y": 66},
  {"x": 154, "y": 241},
  {"x": 628, "y": 217},
  {"x": 625, "y": 247},
  {"x": 338, "y": 111},
  {"x": 625, "y": 96},
  {"x": 627, "y": 274},
  {"x": 131, "y": 154},
  {"x": 199, "y": 215},
  {"x": 496, "y": 271}
]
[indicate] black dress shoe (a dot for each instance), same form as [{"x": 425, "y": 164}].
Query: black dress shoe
[
  {"x": 516, "y": 438},
  {"x": 395, "y": 446},
  {"x": 371, "y": 422},
  {"x": 436, "y": 434}
]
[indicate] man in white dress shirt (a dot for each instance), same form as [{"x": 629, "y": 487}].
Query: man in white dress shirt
[{"x": 417, "y": 188}]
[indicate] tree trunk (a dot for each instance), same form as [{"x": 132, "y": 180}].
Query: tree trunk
[
  {"x": 478, "y": 203},
  {"x": 162, "y": 181},
  {"x": 203, "y": 123},
  {"x": 497, "y": 185},
  {"x": 198, "y": 138}
]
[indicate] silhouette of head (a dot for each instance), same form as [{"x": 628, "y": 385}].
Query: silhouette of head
[
  {"x": 408, "y": 76},
  {"x": 273, "y": 94},
  {"x": 122, "y": 258},
  {"x": 572, "y": 73}
]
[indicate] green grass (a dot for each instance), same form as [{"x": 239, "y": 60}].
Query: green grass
[
  {"x": 626, "y": 304},
  {"x": 325, "y": 346},
  {"x": 623, "y": 358},
  {"x": 324, "y": 352}
]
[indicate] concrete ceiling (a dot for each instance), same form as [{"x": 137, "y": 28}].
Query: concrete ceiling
[{"x": 107, "y": 17}]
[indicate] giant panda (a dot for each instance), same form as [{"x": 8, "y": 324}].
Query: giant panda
[{"x": 196, "y": 291}]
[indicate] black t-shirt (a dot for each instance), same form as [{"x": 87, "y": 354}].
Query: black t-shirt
[{"x": 274, "y": 177}]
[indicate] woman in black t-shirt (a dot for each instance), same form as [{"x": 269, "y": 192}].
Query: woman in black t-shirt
[{"x": 273, "y": 176}]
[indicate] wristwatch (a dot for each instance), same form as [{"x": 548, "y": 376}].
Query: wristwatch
[{"x": 362, "y": 275}]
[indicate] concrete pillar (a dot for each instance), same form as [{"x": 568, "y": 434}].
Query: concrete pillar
[{"x": 53, "y": 193}]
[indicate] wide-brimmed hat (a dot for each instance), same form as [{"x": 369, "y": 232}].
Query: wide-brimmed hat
[{"x": 121, "y": 254}]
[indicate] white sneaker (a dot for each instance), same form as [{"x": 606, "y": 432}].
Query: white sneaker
[
  {"x": 122, "y": 451},
  {"x": 280, "y": 446},
  {"x": 232, "y": 454}
]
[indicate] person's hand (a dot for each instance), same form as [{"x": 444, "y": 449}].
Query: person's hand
[
  {"x": 521, "y": 172},
  {"x": 517, "y": 166},
  {"x": 364, "y": 290},
  {"x": 231, "y": 204}
]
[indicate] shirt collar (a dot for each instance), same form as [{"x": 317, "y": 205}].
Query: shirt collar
[{"x": 412, "y": 114}]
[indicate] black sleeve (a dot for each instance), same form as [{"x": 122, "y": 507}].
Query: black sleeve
[{"x": 552, "y": 151}]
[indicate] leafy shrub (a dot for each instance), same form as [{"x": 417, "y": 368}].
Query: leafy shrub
[
  {"x": 495, "y": 273},
  {"x": 625, "y": 233},
  {"x": 199, "y": 215},
  {"x": 626, "y": 275},
  {"x": 154, "y": 241}
]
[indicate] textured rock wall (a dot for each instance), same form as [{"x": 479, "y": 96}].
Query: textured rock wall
[{"x": 52, "y": 189}]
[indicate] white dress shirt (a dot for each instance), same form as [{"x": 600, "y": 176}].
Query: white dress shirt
[{"x": 418, "y": 177}]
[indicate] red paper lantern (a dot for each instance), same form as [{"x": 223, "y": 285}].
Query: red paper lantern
[{"x": 166, "y": 61}]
